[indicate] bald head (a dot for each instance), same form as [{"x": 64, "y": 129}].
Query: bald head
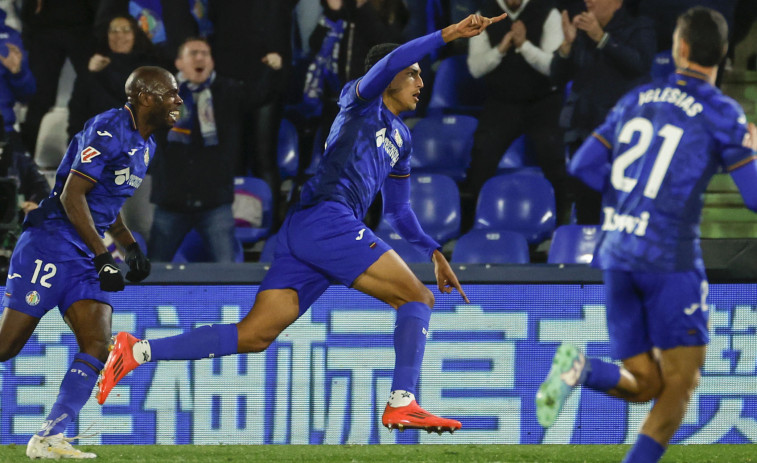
[{"x": 147, "y": 79}]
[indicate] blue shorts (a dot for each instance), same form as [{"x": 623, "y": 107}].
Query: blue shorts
[
  {"x": 320, "y": 245},
  {"x": 662, "y": 310},
  {"x": 46, "y": 272}
]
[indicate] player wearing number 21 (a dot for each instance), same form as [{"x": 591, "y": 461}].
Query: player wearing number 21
[
  {"x": 61, "y": 259},
  {"x": 652, "y": 160}
]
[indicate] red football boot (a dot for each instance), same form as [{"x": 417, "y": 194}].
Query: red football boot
[
  {"x": 412, "y": 416},
  {"x": 120, "y": 362}
]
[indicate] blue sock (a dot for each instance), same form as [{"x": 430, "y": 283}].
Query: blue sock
[
  {"x": 410, "y": 332},
  {"x": 74, "y": 392},
  {"x": 200, "y": 343},
  {"x": 645, "y": 450},
  {"x": 601, "y": 376}
]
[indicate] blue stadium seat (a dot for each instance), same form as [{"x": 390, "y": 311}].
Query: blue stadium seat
[
  {"x": 435, "y": 200},
  {"x": 491, "y": 247},
  {"x": 442, "y": 144},
  {"x": 519, "y": 157},
  {"x": 517, "y": 202},
  {"x": 288, "y": 154},
  {"x": 251, "y": 192},
  {"x": 662, "y": 65},
  {"x": 406, "y": 250},
  {"x": 269, "y": 248},
  {"x": 573, "y": 244},
  {"x": 192, "y": 249},
  {"x": 455, "y": 90}
]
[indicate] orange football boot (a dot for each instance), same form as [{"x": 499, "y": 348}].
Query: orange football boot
[
  {"x": 412, "y": 416},
  {"x": 120, "y": 362}
]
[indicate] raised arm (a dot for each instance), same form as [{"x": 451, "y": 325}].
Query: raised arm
[{"x": 381, "y": 74}]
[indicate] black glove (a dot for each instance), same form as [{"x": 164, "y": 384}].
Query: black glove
[
  {"x": 139, "y": 265},
  {"x": 108, "y": 273}
]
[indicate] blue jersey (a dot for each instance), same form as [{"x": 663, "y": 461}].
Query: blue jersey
[
  {"x": 109, "y": 152},
  {"x": 667, "y": 139},
  {"x": 367, "y": 142}
]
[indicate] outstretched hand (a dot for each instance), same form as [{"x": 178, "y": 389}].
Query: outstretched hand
[
  {"x": 446, "y": 280},
  {"x": 469, "y": 27}
]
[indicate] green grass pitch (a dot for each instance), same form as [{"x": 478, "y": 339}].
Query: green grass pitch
[{"x": 396, "y": 453}]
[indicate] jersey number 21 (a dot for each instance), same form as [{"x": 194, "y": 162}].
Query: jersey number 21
[{"x": 671, "y": 137}]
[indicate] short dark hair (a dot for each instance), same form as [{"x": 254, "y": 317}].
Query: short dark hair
[
  {"x": 706, "y": 32},
  {"x": 180, "y": 50},
  {"x": 377, "y": 52}
]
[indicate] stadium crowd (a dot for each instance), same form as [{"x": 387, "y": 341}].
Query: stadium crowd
[{"x": 500, "y": 113}]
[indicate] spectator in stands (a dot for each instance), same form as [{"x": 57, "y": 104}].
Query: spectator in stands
[
  {"x": 606, "y": 52},
  {"x": 346, "y": 30},
  {"x": 16, "y": 164},
  {"x": 124, "y": 48},
  {"x": 513, "y": 56},
  {"x": 251, "y": 41},
  {"x": 166, "y": 23},
  {"x": 17, "y": 83},
  {"x": 193, "y": 173},
  {"x": 52, "y": 32}
]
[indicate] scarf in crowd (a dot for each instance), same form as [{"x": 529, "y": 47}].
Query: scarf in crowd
[
  {"x": 199, "y": 9},
  {"x": 149, "y": 16},
  {"x": 198, "y": 102},
  {"x": 324, "y": 70}
]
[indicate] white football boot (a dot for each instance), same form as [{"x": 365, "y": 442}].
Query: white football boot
[{"x": 54, "y": 448}]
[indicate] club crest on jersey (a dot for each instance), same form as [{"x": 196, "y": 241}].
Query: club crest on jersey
[
  {"x": 397, "y": 137},
  {"x": 32, "y": 298},
  {"x": 88, "y": 153}
]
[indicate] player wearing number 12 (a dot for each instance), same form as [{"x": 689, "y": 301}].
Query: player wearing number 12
[
  {"x": 61, "y": 259},
  {"x": 652, "y": 160}
]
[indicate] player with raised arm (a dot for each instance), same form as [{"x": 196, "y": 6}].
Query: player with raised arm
[
  {"x": 61, "y": 259},
  {"x": 323, "y": 238},
  {"x": 652, "y": 159}
]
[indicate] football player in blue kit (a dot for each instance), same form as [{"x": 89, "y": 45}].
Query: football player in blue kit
[
  {"x": 323, "y": 238},
  {"x": 61, "y": 259},
  {"x": 652, "y": 159}
]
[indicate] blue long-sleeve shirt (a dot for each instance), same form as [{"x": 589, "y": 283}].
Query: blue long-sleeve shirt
[{"x": 368, "y": 144}]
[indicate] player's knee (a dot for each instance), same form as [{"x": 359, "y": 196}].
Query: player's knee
[
  {"x": 253, "y": 341},
  {"x": 8, "y": 352}
]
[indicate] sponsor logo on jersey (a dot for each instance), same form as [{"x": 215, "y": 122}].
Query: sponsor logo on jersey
[
  {"x": 132, "y": 151},
  {"x": 694, "y": 307},
  {"x": 32, "y": 298},
  {"x": 360, "y": 234},
  {"x": 14, "y": 275},
  {"x": 626, "y": 223},
  {"x": 380, "y": 137},
  {"x": 88, "y": 153},
  {"x": 104, "y": 133}
]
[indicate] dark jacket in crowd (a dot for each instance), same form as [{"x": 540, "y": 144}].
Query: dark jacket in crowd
[
  {"x": 193, "y": 177},
  {"x": 57, "y": 14},
  {"x": 18, "y": 165},
  {"x": 96, "y": 92},
  {"x": 601, "y": 76},
  {"x": 365, "y": 29}
]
